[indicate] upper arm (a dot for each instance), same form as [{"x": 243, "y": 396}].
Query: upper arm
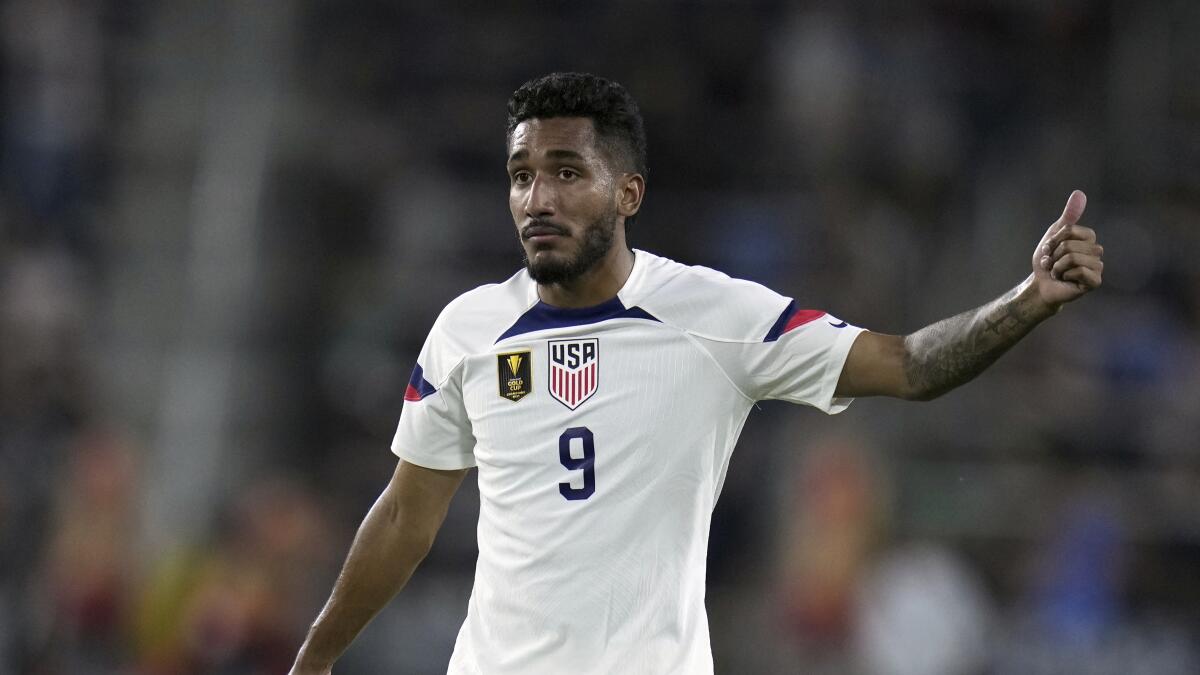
[
  {"x": 875, "y": 367},
  {"x": 419, "y": 496}
]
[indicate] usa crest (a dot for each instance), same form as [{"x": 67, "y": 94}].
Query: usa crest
[
  {"x": 574, "y": 370},
  {"x": 515, "y": 371}
]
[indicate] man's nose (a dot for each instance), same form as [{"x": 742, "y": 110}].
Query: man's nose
[{"x": 540, "y": 200}]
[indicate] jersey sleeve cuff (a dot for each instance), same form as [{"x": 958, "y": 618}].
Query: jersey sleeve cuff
[
  {"x": 441, "y": 462},
  {"x": 826, "y": 401}
]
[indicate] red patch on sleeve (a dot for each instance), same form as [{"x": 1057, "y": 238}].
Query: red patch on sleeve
[{"x": 802, "y": 317}]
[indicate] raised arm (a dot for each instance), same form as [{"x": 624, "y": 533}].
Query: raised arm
[
  {"x": 392, "y": 540},
  {"x": 1067, "y": 263}
]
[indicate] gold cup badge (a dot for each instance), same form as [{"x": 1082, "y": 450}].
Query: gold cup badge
[{"x": 515, "y": 374}]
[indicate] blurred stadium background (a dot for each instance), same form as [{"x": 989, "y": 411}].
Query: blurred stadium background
[{"x": 225, "y": 228}]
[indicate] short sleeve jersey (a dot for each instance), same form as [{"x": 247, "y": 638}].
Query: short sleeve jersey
[{"x": 602, "y": 437}]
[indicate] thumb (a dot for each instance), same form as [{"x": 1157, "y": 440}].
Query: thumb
[{"x": 1074, "y": 208}]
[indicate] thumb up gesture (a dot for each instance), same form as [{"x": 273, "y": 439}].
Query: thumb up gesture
[{"x": 1067, "y": 262}]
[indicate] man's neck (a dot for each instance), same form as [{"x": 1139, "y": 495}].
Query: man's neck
[{"x": 597, "y": 285}]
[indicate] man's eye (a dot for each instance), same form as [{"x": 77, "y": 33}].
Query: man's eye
[
  {"x": 521, "y": 177},
  {"x": 568, "y": 174}
]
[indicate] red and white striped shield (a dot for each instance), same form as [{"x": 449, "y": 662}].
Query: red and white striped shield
[{"x": 574, "y": 370}]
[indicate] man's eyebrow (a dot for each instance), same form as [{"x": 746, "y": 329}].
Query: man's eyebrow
[
  {"x": 523, "y": 154},
  {"x": 563, "y": 154}
]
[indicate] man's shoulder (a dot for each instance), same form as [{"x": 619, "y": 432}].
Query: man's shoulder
[
  {"x": 708, "y": 302},
  {"x": 474, "y": 320}
]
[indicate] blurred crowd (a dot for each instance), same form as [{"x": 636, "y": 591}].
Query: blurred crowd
[{"x": 225, "y": 229}]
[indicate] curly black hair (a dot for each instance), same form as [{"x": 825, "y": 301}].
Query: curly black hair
[{"x": 612, "y": 110}]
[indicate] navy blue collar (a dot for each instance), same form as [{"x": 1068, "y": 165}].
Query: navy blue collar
[{"x": 543, "y": 317}]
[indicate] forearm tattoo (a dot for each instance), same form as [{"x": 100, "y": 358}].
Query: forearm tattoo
[{"x": 951, "y": 352}]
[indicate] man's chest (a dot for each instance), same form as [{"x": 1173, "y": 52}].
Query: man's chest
[
  {"x": 631, "y": 385},
  {"x": 601, "y": 422}
]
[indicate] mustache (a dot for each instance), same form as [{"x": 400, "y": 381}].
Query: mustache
[{"x": 543, "y": 226}]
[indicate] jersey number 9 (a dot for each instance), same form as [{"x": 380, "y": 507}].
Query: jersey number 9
[{"x": 587, "y": 463}]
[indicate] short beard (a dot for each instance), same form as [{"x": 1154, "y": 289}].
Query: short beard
[{"x": 595, "y": 243}]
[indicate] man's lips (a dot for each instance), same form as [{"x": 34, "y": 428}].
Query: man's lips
[{"x": 537, "y": 232}]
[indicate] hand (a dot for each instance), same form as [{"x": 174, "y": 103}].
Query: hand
[{"x": 1067, "y": 262}]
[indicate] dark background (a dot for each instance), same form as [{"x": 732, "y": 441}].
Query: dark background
[{"x": 226, "y": 227}]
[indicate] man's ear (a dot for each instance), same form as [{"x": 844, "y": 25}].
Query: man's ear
[{"x": 631, "y": 188}]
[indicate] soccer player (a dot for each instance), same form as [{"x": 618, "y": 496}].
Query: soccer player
[{"x": 600, "y": 391}]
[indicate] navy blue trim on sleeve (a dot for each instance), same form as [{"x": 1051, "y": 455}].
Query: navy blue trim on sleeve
[
  {"x": 777, "y": 329},
  {"x": 418, "y": 386}
]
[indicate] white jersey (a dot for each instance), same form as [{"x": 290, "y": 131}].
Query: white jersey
[{"x": 602, "y": 436}]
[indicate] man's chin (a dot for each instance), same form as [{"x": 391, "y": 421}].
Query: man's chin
[
  {"x": 549, "y": 267},
  {"x": 546, "y": 273}
]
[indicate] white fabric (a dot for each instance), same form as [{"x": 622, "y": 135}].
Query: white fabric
[{"x": 613, "y": 583}]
